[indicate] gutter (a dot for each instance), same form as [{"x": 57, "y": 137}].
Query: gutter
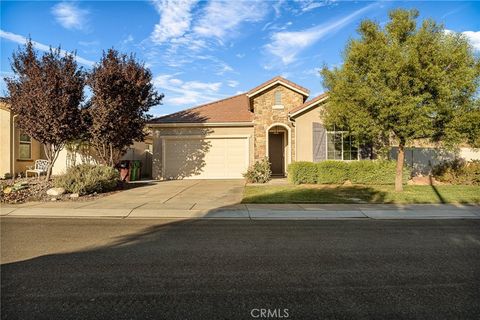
[{"x": 200, "y": 125}]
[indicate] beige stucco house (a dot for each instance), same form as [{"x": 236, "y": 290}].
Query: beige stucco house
[
  {"x": 18, "y": 151},
  {"x": 276, "y": 119},
  {"x": 222, "y": 139}
]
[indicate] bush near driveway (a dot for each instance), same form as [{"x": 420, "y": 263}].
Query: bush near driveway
[
  {"x": 458, "y": 171},
  {"x": 378, "y": 172},
  {"x": 259, "y": 172},
  {"x": 85, "y": 179}
]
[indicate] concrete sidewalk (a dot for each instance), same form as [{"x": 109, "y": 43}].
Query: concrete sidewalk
[{"x": 243, "y": 211}]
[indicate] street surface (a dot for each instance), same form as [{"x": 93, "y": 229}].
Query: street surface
[{"x": 231, "y": 269}]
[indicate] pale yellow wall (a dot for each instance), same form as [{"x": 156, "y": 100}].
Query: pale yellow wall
[
  {"x": 158, "y": 133},
  {"x": 303, "y": 126},
  {"x": 5, "y": 142},
  {"x": 9, "y": 152},
  {"x": 22, "y": 164}
]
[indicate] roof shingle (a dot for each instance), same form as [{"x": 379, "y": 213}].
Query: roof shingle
[{"x": 232, "y": 109}]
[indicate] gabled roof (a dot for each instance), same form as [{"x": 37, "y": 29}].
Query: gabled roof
[
  {"x": 232, "y": 109},
  {"x": 308, "y": 104},
  {"x": 305, "y": 92}
]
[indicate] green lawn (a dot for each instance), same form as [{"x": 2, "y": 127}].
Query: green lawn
[{"x": 355, "y": 194}]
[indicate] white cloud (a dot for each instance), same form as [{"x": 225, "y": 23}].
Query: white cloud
[
  {"x": 307, "y": 5},
  {"x": 89, "y": 43},
  {"x": 474, "y": 38},
  {"x": 204, "y": 86},
  {"x": 232, "y": 83},
  {"x": 175, "y": 19},
  {"x": 70, "y": 16},
  {"x": 39, "y": 46},
  {"x": 187, "y": 92},
  {"x": 188, "y": 28},
  {"x": 314, "y": 71},
  {"x": 222, "y": 18},
  {"x": 288, "y": 44}
]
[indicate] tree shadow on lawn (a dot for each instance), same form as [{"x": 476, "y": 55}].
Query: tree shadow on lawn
[
  {"x": 337, "y": 194},
  {"x": 320, "y": 194}
]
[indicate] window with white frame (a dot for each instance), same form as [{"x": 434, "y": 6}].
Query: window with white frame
[
  {"x": 341, "y": 146},
  {"x": 25, "y": 147}
]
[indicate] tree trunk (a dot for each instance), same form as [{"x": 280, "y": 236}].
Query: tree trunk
[
  {"x": 51, "y": 152},
  {"x": 399, "y": 170},
  {"x": 49, "y": 171}
]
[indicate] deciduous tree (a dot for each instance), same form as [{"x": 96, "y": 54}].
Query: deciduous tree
[
  {"x": 122, "y": 94},
  {"x": 46, "y": 92},
  {"x": 406, "y": 82}
]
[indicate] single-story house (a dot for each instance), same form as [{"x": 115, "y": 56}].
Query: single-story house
[{"x": 221, "y": 139}]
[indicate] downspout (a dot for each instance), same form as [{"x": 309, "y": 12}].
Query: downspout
[
  {"x": 13, "y": 147},
  {"x": 295, "y": 131}
]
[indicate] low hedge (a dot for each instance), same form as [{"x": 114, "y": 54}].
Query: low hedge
[
  {"x": 337, "y": 172},
  {"x": 375, "y": 172},
  {"x": 332, "y": 172},
  {"x": 85, "y": 179},
  {"x": 303, "y": 172}
]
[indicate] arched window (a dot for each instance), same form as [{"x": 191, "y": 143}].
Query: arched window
[{"x": 278, "y": 98}]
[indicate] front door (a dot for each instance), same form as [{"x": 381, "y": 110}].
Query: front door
[{"x": 276, "y": 152}]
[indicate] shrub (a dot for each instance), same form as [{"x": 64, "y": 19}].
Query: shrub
[
  {"x": 458, "y": 171},
  {"x": 375, "y": 172},
  {"x": 259, "y": 172},
  {"x": 302, "y": 172},
  {"x": 337, "y": 172},
  {"x": 85, "y": 179},
  {"x": 332, "y": 172}
]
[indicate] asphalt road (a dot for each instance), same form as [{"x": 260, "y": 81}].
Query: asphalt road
[{"x": 145, "y": 269}]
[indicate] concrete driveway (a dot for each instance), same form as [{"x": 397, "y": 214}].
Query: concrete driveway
[{"x": 175, "y": 195}]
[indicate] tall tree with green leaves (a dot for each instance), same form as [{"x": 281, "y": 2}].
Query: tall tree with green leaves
[
  {"x": 46, "y": 92},
  {"x": 122, "y": 93},
  {"x": 406, "y": 82}
]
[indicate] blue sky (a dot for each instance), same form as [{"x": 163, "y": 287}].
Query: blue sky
[{"x": 201, "y": 51}]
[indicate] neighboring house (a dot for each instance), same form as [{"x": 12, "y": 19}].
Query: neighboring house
[
  {"x": 221, "y": 139},
  {"x": 18, "y": 151}
]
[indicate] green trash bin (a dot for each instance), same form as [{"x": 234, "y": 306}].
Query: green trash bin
[{"x": 135, "y": 170}]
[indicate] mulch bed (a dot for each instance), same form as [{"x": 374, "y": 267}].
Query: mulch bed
[{"x": 36, "y": 190}]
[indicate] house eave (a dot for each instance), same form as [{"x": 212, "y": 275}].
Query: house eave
[
  {"x": 203, "y": 124},
  {"x": 307, "y": 107},
  {"x": 275, "y": 83}
]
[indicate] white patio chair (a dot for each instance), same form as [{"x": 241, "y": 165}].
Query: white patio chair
[{"x": 40, "y": 168}]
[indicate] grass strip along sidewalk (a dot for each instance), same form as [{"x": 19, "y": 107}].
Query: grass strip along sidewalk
[{"x": 361, "y": 194}]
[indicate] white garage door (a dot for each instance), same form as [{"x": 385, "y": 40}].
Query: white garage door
[{"x": 211, "y": 158}]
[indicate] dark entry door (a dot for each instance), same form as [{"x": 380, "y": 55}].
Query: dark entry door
[{"x": 275, "y": 152}]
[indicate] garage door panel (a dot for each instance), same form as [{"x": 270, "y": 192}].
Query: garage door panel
[{"x": 211, "y": 158}]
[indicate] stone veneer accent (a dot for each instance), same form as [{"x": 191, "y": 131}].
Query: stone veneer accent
[{"x": 265, "y": 116}]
